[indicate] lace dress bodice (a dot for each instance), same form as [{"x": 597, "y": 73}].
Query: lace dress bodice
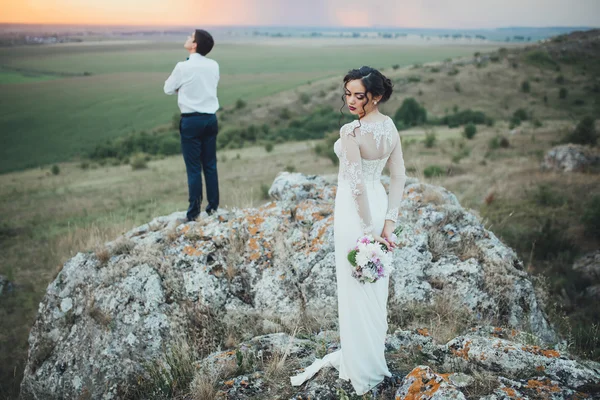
[{"x": 364, "y": 149}]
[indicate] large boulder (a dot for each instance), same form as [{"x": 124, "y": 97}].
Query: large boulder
[
  {"x": 110, "y": 312},
  {"x": 571, "y": 158}
]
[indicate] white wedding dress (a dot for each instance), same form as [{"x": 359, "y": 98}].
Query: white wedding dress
[{"x": 361, "y": 207}]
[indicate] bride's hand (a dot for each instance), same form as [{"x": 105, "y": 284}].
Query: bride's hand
[
  {"x": 382, "y": 240},
  {"x": 386, "y": 233}
]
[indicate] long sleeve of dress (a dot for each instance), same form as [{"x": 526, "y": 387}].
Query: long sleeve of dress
[
  {"x": 352, "y": 174},
  {"x": 397, "y": 170}
]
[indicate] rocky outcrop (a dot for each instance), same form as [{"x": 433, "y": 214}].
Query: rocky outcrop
[
  {"x": 268, "y": 269},
  {"x": 571, "y": 158}
]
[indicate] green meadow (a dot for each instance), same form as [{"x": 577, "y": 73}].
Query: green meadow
[{"x": 60, "y": 101}]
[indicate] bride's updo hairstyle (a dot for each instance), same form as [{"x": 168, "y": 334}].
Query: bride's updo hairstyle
[{"x": 374, "y": 82}]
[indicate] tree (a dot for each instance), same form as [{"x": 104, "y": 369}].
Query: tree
[{"x": 411, "y": 113}]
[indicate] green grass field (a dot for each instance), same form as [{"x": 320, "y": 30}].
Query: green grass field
[{"x": 51, "y": 118}]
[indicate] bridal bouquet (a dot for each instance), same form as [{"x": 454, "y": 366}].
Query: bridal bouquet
[{"x": 370, "y": 259}]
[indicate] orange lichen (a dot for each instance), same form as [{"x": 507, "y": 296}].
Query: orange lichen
[
  {"x": 229, "y": 383},
  {"x": 253, "y": 244},
  {"x": 185, "y": 229},
  {"x": 464, "y": 352},
  {"x": 541, "y": 352},
  {"x": 510, "y": 392},
  {"x": 422, "y": 387},
  {"x": 192, "y": 251},
  {"x": 540, "y": 368},
  {"x": 542, "y": 386},
  {"x": 423, "y": 331},
  {"x": 513, "y": 332}
]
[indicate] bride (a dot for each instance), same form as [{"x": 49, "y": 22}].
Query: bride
[{"x": 362, "y": 207}]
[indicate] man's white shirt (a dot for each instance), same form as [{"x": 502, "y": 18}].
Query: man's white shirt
[{"x": 196, "y": 79}]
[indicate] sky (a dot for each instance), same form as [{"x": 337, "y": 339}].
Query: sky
[{"x": 350, "y": 13}]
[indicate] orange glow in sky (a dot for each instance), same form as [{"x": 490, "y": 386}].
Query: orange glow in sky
[
  {"x": 351, "y": 13},
  {"x": 128, "y": 12}
]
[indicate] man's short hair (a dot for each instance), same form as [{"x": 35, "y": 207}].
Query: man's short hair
[{"x": 204, "y": 42}]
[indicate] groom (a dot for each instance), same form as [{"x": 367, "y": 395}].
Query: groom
[{"x": 195, "y": 82}]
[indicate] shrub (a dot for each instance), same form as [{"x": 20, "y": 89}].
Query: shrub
[
  {"x": 395, "y": 66},
  {"x": 305, "y": 98},
  {"x": 285, "y": 114},
  {"x": 84, "y": 165},
  {"x": 433, "y": 170},
  {"x": 504, "y": 143},
  {"x": 138, "y": 161},
  {"x": 290, "y": 168},
  {"x": 521, "y": 114},
  {"x": 525, "y": 87},
  {"x": 470, "y": 130},
  {"x": 55, "y": 169},
  {"x": 579, "y": 102},
  {"x": 591, "y": 217},
  {"x": 175, "y": 121},
  {"x": 239, "y": 104},
  {"x": 411, "y": 113},
  {"x": 269, "y": 147},
  {"x": 430, "y": 139},
  {"x": 560, "y": 80},
  {"x": 585, "y": 132},
  {"x": 414, "y": 79},
  {"x": 562, "y": 93},
  {"x": 464, "y": 117},
  {"x": 457, "y": 87},
  {"x": 494, "y": 143}
]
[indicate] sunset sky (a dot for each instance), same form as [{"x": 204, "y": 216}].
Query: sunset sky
[{"x": 352, "y": 13}]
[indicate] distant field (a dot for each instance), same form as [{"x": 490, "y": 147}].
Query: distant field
[{"x": 52, "y": 118}]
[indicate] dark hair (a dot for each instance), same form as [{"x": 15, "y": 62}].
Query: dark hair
[
  {"x": 204, "y": 42},
  {"x": 374, "y": 82}
]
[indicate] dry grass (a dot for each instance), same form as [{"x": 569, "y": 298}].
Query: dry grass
[
  {"x": 444, "y": 319},
  {"x": 276, "y": 368}
]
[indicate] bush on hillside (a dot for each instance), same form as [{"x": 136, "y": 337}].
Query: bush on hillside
[
  {"x": 470, "y": 130},
  {"x": 525, "y": 87},
  {"x": 585, "y": 132},
  {"x": 55, "y": 169},
  {"x": 464, "y": 117},
  {"x": 430, "y": 139},
  {"x": 411, "y": 113},
  {"x": 138, "y": 161},
  {"x": 138, "y": 142},
  {"x": 562, "y": 93}
]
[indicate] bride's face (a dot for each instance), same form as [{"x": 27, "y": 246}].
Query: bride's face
[{"x": 356, "y": 97}]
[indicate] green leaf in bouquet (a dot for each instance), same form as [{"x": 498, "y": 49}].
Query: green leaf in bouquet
[
  {"x": 352, "y": 257},
  {"x": 398, "y": 230}
]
